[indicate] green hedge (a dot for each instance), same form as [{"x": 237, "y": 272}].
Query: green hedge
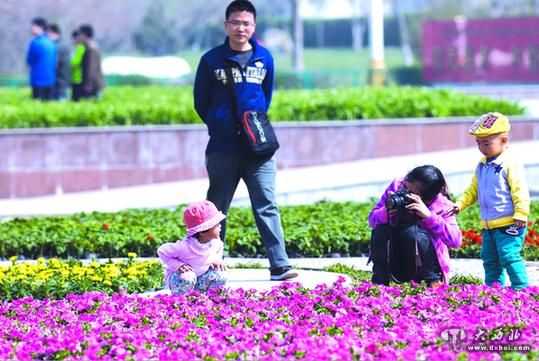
[
  {"x": 313, "y": 230},
  {"x": 124, "y": 105}
]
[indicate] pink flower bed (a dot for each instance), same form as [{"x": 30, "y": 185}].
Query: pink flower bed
[{"x": 289, "y": 322}]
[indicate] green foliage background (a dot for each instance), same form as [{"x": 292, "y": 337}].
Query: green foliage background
[
  {"x": 146, "y": 105},
  {"x": 311, "y": 230}
]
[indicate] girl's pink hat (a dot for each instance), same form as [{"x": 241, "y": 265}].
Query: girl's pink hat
[{"x": 201, "y": 216}]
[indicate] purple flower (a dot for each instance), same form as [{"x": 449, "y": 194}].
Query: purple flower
[{"x": 288, "y": 322}]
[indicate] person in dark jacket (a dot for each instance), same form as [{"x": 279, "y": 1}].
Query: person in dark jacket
[
  {"x": 226, "y": 163},
  {"x": 41, "y": 58},
  {"x": 92, "y": 76},
  {"x": 63, "y": 64}
]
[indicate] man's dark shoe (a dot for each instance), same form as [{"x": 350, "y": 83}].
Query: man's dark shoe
[{"x": 283, "y": 273}]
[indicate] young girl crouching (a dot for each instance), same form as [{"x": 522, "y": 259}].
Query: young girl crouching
[{"x": 197, "y": 261}]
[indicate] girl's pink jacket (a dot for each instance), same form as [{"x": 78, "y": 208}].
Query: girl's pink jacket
[
  {"x": 189, "y": 252},
  {"x": 442, "y": 228}
]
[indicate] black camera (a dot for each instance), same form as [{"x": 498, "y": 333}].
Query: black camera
[{"x": 398, "y": 200}]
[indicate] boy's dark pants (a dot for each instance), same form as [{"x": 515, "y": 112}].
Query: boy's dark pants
[{"x": 403, "y": 261}]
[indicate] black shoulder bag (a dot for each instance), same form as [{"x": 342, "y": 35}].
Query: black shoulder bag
[{"x": 254, "y": 128}]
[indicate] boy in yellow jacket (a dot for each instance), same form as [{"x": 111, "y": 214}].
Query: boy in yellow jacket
[{"x": 500, "y": 186}]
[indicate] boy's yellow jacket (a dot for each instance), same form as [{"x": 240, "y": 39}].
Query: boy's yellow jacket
[{"x": 502, "y": 191}]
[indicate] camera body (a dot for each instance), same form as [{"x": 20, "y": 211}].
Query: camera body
[{"x": 398, "y": 200}]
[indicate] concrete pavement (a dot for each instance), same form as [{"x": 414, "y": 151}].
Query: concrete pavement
[
  {"x": 258, "y": 279},
  {"x": 311, "y": 272}
]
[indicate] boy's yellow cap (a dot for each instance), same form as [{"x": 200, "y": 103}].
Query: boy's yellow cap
[{"x": 490, "y": 123}]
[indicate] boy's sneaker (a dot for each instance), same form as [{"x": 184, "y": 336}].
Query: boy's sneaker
[{"x": 283, "y": 273}]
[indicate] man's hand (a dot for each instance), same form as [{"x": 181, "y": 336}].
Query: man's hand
[{"x": 218, "y": 265}]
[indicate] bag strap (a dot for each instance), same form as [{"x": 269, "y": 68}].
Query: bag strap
[
  {"x": 232, "y": 89},
  {"x": 418, "y": 263}
]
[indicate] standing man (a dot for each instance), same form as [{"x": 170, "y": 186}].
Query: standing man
[
  {"x": 226, "y": 163},
  {"x": 92, "y": 77},
  {"x": 63, "y": 66},
  {"x": 41, "y": 58}
]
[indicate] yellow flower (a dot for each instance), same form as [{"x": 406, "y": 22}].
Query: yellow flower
[
  {"x": 95, "y": 264},
  {"x": 96, "y": 278},
  {"x": 119, "y": 262},
  {"x": 107, "y": 282},
  {"x": 54, "y": 263},
  {"x": 13, "y": 259},
  {"x": 132, "y": 255},
  {"x": 40, "y": 260}
]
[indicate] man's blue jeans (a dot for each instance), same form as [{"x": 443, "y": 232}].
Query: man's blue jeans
[
  {"x": 225, "y": 169},
  {"x": 502, "y": 251}
]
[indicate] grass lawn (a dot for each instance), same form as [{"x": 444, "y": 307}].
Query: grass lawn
[
  {"x": 340, "y": 58},
  {"x": 316, "y": 59}
]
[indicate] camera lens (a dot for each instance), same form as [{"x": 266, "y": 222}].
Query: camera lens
[{"x": 391, "y": 203}]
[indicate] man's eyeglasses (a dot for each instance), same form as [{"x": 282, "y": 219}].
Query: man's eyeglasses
[{"x": 236, "y": 24}]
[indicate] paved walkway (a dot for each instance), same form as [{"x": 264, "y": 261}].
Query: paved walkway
[
  {"x": 461, "y": 266},
  {"x": 311, "y": 272},
  {"x": 258, "y": 279}
]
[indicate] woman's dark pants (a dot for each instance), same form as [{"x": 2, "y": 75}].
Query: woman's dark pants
[{"x": 403, "y": 263}]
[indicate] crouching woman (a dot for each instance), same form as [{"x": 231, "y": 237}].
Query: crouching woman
[{"x": 412, "y": 230}]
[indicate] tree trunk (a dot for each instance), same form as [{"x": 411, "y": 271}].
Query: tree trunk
[
  {"x": 405, "y": 38},
  {"x": 319, "y": 34},
  {"x": 358, "y": 27},
  {"x": 298, "y": 35},
  {"x": 199, "y": 37}
]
